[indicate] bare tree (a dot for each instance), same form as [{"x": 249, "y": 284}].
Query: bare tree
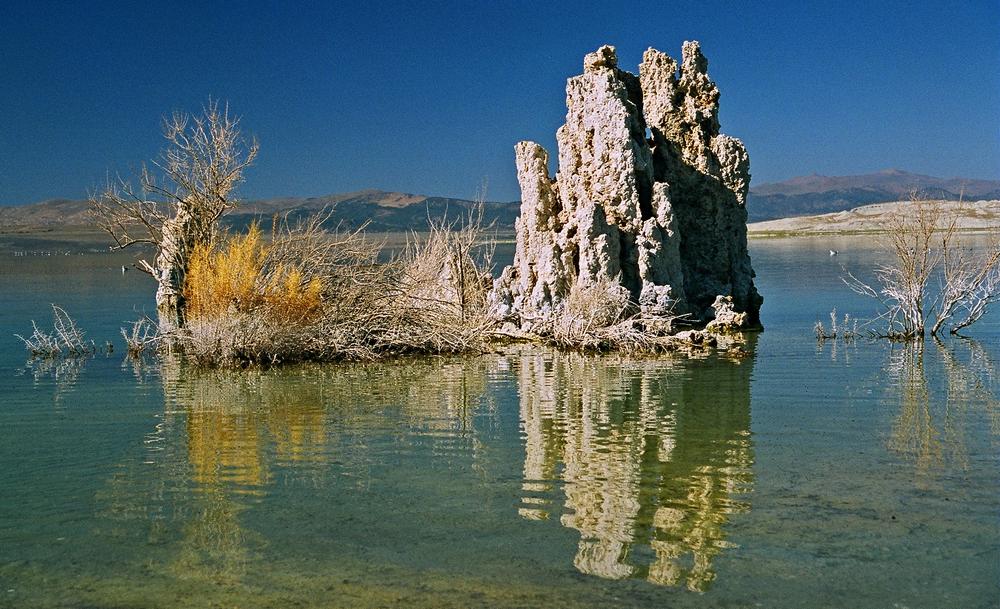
[
  {"x": 177, "y": 204},
  {"x": 923, "y": 244},
  {"x": 969, "y": 284}
]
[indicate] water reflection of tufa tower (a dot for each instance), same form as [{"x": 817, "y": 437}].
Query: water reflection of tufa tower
[
  {"x": 646, "y": 460},
  {"x": 652, "y": 464}
]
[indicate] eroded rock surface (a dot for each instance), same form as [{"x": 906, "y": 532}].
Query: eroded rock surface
[{"x": 648, "y": 193}]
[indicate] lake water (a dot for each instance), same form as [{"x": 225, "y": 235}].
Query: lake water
[{"x": 804, "y": 475}]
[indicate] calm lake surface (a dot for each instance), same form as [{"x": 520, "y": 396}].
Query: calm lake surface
[{"x": 805, "y": 475}]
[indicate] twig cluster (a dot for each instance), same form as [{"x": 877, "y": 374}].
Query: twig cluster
[
  {"x": 140, "y": 337},
  {"x": 65, "y": 339},
  {"x": 847, "y": 331}
]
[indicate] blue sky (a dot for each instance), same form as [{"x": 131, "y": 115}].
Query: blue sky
[{"x": 431, "y": 97}]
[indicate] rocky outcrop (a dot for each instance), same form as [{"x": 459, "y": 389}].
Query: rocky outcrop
[{"x": 648, "y": 193}]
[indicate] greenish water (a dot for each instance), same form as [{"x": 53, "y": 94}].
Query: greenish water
[{"x": 862, "y": 475}]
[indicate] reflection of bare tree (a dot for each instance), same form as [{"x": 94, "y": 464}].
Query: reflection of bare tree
[
  {"x": 62, "y": 371},
  {"x": 914, "y": 432},
  {"x": 975, "y": 381},
  {"x": 931, "y": 426},
  {"x": 652, "y": 453}
]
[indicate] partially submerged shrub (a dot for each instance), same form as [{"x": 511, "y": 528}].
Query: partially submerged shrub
[
  {"x": 924, "y": 245},
  {"x": 141, "y": 336},
  {"x": 847, "y": 331},
  {"x": 66, "y": 339}
]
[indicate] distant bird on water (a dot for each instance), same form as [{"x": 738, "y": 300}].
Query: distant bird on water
[
  {"x": 124, "y": 268},
  {"x": 834, "y": 252}
]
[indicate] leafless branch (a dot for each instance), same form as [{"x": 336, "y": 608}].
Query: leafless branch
[{"x": 177, "y": 203}]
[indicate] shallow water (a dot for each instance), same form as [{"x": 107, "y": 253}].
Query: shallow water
[{"x": 805, "y": 475}]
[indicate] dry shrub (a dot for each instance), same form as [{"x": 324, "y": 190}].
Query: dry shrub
[
  {"x": 448, "y": 272},
  {"x": 312, "y": 294},
  {"x": 589, "y": 311},
  {"x": 602, "y": 316},
  {"x": 236, "y": 339},
  {"x": 429, "y": 299},
  {"x": 251, "y": 300}
]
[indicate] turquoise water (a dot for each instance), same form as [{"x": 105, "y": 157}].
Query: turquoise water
[{"x": 805, "y": 475}]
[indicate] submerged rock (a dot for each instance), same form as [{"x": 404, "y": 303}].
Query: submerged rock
[{"x": 648, "y": 193}]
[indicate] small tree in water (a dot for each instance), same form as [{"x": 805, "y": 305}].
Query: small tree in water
[
  {"x": 176, "y": 206},
  {"x": 925, "y": 250}
]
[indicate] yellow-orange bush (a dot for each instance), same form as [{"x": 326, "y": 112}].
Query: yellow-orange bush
[{"x": 239, "y": 277}]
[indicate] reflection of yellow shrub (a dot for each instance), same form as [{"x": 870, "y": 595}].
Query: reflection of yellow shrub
[{"x": 239, "y": 277}]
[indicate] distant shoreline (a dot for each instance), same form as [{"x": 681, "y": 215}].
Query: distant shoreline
[
  {"x": 759, "y": 235},
  {"x": 969, "y": 216}
]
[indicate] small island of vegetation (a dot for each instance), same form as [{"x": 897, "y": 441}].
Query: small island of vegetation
[{"x": 620, "y": 253}]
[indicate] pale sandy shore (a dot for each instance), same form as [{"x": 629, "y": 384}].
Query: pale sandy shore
[{"x": 970, "y": 215}]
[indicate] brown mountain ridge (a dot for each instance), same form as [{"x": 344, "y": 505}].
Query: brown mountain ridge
[{"x": 381, "y": 210}]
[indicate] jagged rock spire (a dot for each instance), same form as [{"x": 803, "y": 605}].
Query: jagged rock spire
[{"x": 663, "y": 216}]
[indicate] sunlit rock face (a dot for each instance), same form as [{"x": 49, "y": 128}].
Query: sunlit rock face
[{"x": 648, "y": 193}]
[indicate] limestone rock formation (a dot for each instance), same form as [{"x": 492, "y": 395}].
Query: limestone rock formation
[
  {"x": 648, "y": 193},
  {"x": 726, "y": 318}
]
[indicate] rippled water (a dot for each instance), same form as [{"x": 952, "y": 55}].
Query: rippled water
[{"x": 805, "y": 475}]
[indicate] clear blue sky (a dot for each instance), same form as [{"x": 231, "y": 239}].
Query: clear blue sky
[{"x": 431, "y": 98}]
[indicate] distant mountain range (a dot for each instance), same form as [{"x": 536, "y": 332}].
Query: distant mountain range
[
  {"x": 382, "y": 211},
  {"x": 394, "y": 211},
  {"x": 816, "y": 194}
]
